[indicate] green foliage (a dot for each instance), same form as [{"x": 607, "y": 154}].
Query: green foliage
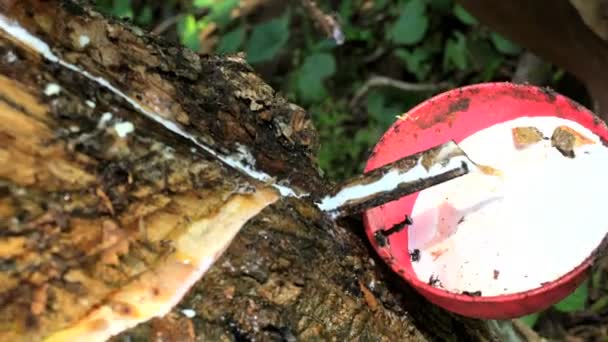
[
  {"x": 232, "y": 41},
  {"x": 531, "y": 319},
  {"x": 455, "y": 53},
  {"x": 417, "y": 61},
  {"x": 464, "y": 16},
  {"x": 503, "y": 45},
  {"x": 383, "y": 107},
  {"x": 267, "y": 39},
  {"x": 117, "y": 8},
  {"x": 412, "y": 24},
  {"x": 316, "y": 68},
  {"x": 575, "y": 301},
  {"x": 345, "y": 152},
  {"x": 219, "y": 10},
  {"x": 189, "y": 27},
  {"x": 188, "y": 30}
]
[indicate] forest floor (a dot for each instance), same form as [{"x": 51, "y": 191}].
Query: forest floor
[{"x": 355, "y": 65}]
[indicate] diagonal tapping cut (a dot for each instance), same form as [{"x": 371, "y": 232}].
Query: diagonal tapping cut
[
  {"x": 234, "y": 161},
  {"x": 405, "y": 176}
]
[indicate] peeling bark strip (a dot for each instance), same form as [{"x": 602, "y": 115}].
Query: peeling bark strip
[
  {"x": 106, "y": 218},
  {"x": 403, "y": 177}
]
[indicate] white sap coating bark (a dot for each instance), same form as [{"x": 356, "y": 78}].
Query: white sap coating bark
[
  {"x": 83, "y": 40},
  {"x": 189, "y": 313},
  {"x": 235, "y": 161},
  {"x": 105, "y": 118},
  {"x": 537, "y": 222},
  {"x": 52, "y": 89},
  {"x": 124, "y": 128},
  {"x": 392, "y": 179}
]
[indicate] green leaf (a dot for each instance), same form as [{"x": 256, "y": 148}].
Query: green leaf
[
  {"x": 232, "y": 41},
  {"x": 144, "y": 18},
  {"x": 189, "y": 31},
  {"x": 575, "y": 301},
  {"x": 441, "y": 6},
  {"x": 503, "y": 45},
  {"x": 346, "y": 9},
  {"x": 219, "y": 10},
  {"x": 416, "y": 61},
  {"x": 314, "y": 71},
  {"x": 382, "y": 110},
  {"x": 530, "y": 320},
  {"x": 356, "y": 33},
  {"x": 380, "y": 4},
  {"x": 455, "y": 53},
  {"x": 411, "y": 25},
  {"x": 558, "y": 75},
  {"x": 488, "y": 72},
  {"x": 122, "y": 9},
  {"x": 481, "y": 52},
  {"x": 375, "y": 103},
  {"x": 267, "y": 39},
  {"x": 464, "y": 16}
]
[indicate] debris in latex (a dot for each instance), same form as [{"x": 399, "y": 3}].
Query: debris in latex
[
  {"x": 565, "y": 139},
  {"x": 434, "y": 281},
  {"x": 381, "y": 236},
  {"x": 415, "y": 255},
  {"x": 436, "y": 254},
  {"x": 488, "y": 170},
  {"x": 398, "y": 227},
  {"x": 526, "y": 136}
]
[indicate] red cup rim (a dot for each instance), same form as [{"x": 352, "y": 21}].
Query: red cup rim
[{"x": 435, "y": 125}]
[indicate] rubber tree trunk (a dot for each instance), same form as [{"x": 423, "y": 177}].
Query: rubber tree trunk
[
  {"x": 98, "y": 194},
  {"x": 568, "y": 33}
]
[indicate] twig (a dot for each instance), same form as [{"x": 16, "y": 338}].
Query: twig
[
  {"x": 374, "y": 55},
  {"x": 324, "y": 22},
  {"x": 526, "y": 332},
  {"x": 166, "y": 24},
  {"x": 383, "y": 81},
  {"x": 514, "y": 330}
]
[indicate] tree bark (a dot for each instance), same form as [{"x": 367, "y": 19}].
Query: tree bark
[
  {"x": 569, "y": 33},
  {"x": 94, "y": 193}
]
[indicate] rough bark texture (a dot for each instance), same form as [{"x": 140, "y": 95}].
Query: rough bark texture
[{"x": 71, "y": 188}]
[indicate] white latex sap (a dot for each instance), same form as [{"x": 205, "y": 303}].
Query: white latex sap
[{"x": 539, "y": 220}]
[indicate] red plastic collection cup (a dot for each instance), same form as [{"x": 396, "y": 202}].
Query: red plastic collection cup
[{"x": 455, "y": 115}]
